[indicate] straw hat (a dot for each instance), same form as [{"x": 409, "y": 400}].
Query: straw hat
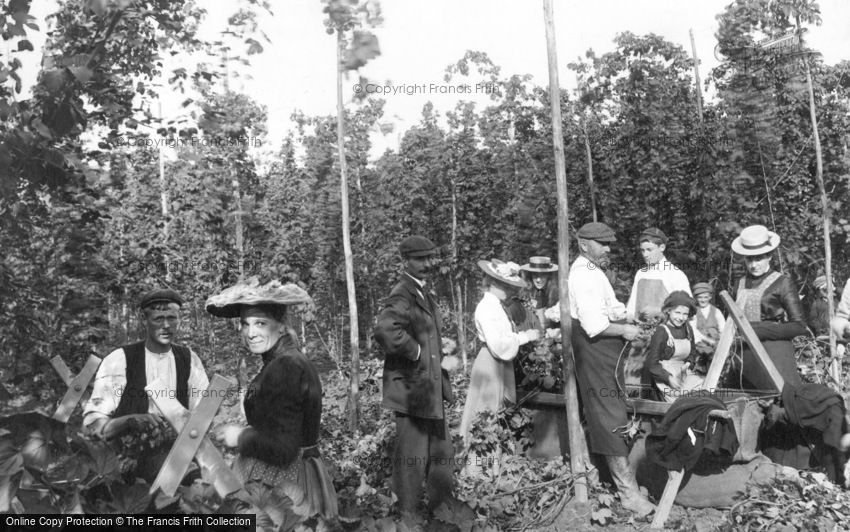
[
  {"x": 539, "y": 265},
  {"x": 229, "y": 302},
  {"x": 755, "y": 240},
  {"x": 504, "y": 272}
]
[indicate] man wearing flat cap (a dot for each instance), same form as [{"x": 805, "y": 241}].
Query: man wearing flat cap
[
  {"x": 120, "y": 403},
  {"x": 414, "y": 383},
  {"x": 656, "y": 279},
  {"x": 599, "y": 330}
]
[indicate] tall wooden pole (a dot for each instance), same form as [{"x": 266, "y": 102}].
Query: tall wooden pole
[
  {"x": 696, "y": 76},
  {"x": 578, "y": 449},
  {"x": 703, "y": 206},
  {"x": 163, "y": 193},
  {"x": 354, "y": 384},
  {"x": 835, "y": 366}
]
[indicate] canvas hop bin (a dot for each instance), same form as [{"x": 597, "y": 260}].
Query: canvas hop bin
[{"x": 713, "y": 485}]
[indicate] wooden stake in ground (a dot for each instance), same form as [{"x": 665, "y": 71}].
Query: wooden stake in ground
[
  {"x": 835, "y": 366},
  {"x": 354, "y": 389},
  {"x": 578, "y": 449}
]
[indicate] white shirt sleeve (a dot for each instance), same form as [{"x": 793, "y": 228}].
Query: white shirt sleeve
[
  {"x": 589, "y": 297},
  {"x": 721, "y": 321},
  {"x": 109, "y": 383},
  {"x": 632, "y": 302},
  {"x": 495, "y": 329},
  {"x": 198, "y": 381},
  {"x": 698, "y": 336},
  {"x": 680, "y": 281}
]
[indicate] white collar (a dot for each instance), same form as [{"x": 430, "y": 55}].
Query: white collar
[{"x": 417, "y": 281}]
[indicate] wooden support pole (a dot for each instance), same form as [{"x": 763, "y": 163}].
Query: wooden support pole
[
  {"x": 192, "y": 442},
  {"x": 76, "y": 386},
  {"x": 737, "y": 316},
  {"x": 721, "y": 353},
  {"x": 578, "y": 448},
  {"x": 674, "y": 481}
]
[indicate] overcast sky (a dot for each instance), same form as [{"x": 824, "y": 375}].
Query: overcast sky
[{"x": 419, "y": 39}]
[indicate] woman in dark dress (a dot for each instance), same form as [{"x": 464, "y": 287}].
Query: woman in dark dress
[
  {"x": 770, "y": 302},
  {"x": 283, "y": 404},
  {"x": 541, "y": 276}
]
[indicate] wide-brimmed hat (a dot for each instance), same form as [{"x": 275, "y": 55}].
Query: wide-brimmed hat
[
  {"x": 539, "y": 265},
  {"x": 229, "y": 303},
  {"x": 504, "y": 272},
  {"x": 680, "y": 297},
  {"x": 703, "y": 288},
  {"x": 755, "y": 240}
]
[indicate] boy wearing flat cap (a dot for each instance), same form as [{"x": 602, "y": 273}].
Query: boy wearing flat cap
[
  {"x": 119, "y": 403},
  {"x": 656, "y": 279},
  {"x": 414, "y": 382}
]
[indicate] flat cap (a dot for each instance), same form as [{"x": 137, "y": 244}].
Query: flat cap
[
  {"x": 702, "y": 288},
  {"x": 416, "y": 246},
  {"x": 597, "y": 231},
  {"x": 653, "y": 232},
  {"x": 160, "y": 295}
]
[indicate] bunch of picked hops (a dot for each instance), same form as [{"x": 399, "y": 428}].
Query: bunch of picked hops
[{"x": 136, "y": 442}]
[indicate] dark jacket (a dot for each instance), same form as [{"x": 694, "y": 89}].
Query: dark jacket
[
  {"x": 670, "y": 446},
  {"x": 781, "y": 310},
  {"x": 818, "y": 317},
  {"x": 410, "y": 320},
  {"x": 283, "y": 405}
]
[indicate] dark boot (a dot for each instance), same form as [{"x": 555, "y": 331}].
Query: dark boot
[{"x": 624, "y": 478}]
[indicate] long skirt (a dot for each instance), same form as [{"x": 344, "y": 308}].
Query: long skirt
[
  {"x": 781, "y": 353},
  {"x": 305, "y": 481},
  {"x": 601, "y": 394},
  {"x": 491, "y": 386}
]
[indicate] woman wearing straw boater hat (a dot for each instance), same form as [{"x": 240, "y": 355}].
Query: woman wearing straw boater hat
[
  {"x": 770, "y": 303},
  {"x": 542, "y": 291},
  {"x": 283, "y": 404},
  {"x": 491, "y": 382}
]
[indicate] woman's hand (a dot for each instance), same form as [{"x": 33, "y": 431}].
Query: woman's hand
[
  {"x": 553, "y": 333},
  {"x": 676, "y": 380},
  {"x": 532, "y": 335},
  {"x": 229, "y": 434},
  {"x": 450, "y": 363}
]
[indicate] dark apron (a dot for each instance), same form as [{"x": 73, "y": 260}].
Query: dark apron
[
  {"x": 603, "y": 400},
  {"x": 781, "y": 353}
]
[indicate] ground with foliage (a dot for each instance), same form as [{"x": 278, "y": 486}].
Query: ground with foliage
[
  {"x": 89, "y": 221},
  {"x": 50, "y": 468}
]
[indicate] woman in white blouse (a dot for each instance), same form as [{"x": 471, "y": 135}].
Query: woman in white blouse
[{"x": 491, "y": 383}]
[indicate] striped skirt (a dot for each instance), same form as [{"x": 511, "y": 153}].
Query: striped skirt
[{"x": 305, "y": 481}]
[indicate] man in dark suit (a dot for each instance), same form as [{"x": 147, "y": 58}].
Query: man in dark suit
[{"x": 414, "y": 382}]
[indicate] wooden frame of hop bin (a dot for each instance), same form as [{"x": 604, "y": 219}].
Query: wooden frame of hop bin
[{"x": 737, "y": 323}]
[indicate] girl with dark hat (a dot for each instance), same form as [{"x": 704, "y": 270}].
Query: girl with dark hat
[
  {"x": 491, "y": 382},
  {"x": 671, "y": 353},
  {"x": 283, "y": 404}
]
